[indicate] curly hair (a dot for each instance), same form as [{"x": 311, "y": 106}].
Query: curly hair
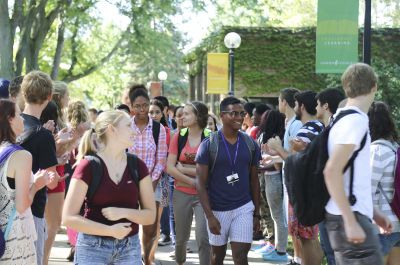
[
  {"x": 60, "y": 89},
  {"x": 77, "y": 113}
]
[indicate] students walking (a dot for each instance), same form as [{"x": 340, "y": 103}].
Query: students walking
[
  {"x": 108, "y": 231},
  {"x": 227, "y": 182}
]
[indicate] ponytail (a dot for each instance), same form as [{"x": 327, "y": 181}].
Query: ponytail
[{"x": 87, "y": 145}]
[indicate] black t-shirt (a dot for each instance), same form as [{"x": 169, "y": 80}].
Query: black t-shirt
[{"x": 43, "y": 149}]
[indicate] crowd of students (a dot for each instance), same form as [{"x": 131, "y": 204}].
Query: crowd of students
[{"x": 148, "y": 164}]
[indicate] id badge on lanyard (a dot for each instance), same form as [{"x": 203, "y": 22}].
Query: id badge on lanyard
[{"x": 234, "y": 177}]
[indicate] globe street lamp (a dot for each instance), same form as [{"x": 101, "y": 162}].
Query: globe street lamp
[
  {"x": 232, "y": 41},
  {"x": 162, "y": 76}
]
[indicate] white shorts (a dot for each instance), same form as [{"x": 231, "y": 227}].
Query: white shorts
[{"x": 236, "y": 225}]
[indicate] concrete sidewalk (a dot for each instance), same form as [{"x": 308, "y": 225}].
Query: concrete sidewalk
[{"x": 61, "y": 250}]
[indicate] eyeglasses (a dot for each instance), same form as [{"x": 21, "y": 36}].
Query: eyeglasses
[
  {"x": 235, "y": 113},
  {"x": 144, "y": 106}
]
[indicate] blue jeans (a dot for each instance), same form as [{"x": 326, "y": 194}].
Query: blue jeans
[
  {"x": 326, "y": 245},
  {"x": 171, "y": 210},
  {"x": 94, "y": 250},
  {"x": 164, "y": 222}
]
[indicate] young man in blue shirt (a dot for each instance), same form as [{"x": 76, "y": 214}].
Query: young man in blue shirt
[{"x": 228, "y": 187}]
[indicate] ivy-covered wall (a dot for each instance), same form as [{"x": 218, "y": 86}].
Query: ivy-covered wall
[{"x": 270, "y": 59}]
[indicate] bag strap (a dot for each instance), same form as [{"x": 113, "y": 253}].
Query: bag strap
[
  {"x": 10, "y": 222},
  {"x": 250, "y": 145},
  {"x": 97, "y": 174},
  {"x": 156, "y": 132},
  {"x": 350, "y": 163},
  {"x": 132, "y": 162},
  {"x": 183, "y": 135},
  {"x": 213, "y": 150}
]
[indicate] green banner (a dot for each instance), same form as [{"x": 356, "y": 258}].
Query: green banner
[{"x": 337, "y": 35}]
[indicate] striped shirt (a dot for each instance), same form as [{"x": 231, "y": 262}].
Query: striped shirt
[
  {"x": 309, "y": 130},
  {"x": 383, "y": 158},
  {"x": 145, "y": 148}
]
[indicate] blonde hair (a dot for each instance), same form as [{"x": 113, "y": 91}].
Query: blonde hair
[
  {"x": 36, "y": 87},
  {"x": 77, "y": 113},
  {"x": 358, "y": 80},
  {"x": 87, "y": 146},
  {"x": 60, "y": 89}
]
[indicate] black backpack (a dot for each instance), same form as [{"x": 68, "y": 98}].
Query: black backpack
[
  {"x": 156, "y": 132},
  {"x": 97, "y": 172},
  {"x": 304, "y": 177},
  {"x": 183, "y": 136}
]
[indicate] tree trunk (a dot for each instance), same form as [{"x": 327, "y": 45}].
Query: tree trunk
[
  {"x": 6, "y": 49},
  {"x": 23, "y": 47},
  {"x": 59, "y": 48}
]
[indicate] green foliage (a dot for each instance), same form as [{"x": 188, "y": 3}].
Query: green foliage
[
  {"x": 272, "y": 58},
  {"x": 389, "y": 86}
]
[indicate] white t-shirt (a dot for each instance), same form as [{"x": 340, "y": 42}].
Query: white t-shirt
[{"x": 351, "y": 130}]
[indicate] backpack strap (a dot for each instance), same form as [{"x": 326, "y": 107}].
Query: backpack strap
[
  {"x": 156, "y": 131},
  {"x": 350, "y": 163},
  {"x": 183, "y": 136},
  {"x": 214, "y": 144},
  {"x": 97, "y": 174},
  {"x": 132, "y": 162},
  {"x": 250, "y": 145},
  {"x": 213, "y": 150},
  {"x": 182, "y": 139}
]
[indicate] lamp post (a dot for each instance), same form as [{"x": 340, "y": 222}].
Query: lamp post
[
  {"x": 232, "y": 41},
  {"x": 162, "y": 76}
]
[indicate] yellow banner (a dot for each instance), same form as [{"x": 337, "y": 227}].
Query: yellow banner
[{"x": 217, "y": 73}]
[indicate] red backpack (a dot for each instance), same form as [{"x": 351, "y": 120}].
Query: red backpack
[{"x": 395, "y": 203}]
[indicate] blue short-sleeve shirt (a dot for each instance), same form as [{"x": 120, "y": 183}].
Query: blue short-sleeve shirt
[{"x": 222, "y": 195}]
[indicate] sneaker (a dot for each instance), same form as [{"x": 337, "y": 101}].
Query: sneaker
[
  {"x": 266, "y": 249},
  {"x": 292, "y": 263},
  {"x": 258, "y": 246},
  {"x": 275, "y": 257},
  {"x": 164, "y": 240}
]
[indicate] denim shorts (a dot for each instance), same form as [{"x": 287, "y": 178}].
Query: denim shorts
[
  {"x": 389, "y": 241},
  {"x": 94, "y": 250}
]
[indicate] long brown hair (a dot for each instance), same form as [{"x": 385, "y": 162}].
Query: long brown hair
[{"x": 7, "y": 111}]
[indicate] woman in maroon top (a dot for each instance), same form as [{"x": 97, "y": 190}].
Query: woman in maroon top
[{"x": 108, "y": 231}]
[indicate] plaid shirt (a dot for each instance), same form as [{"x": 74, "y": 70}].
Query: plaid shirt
[{"x": 145, "y": 148}]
